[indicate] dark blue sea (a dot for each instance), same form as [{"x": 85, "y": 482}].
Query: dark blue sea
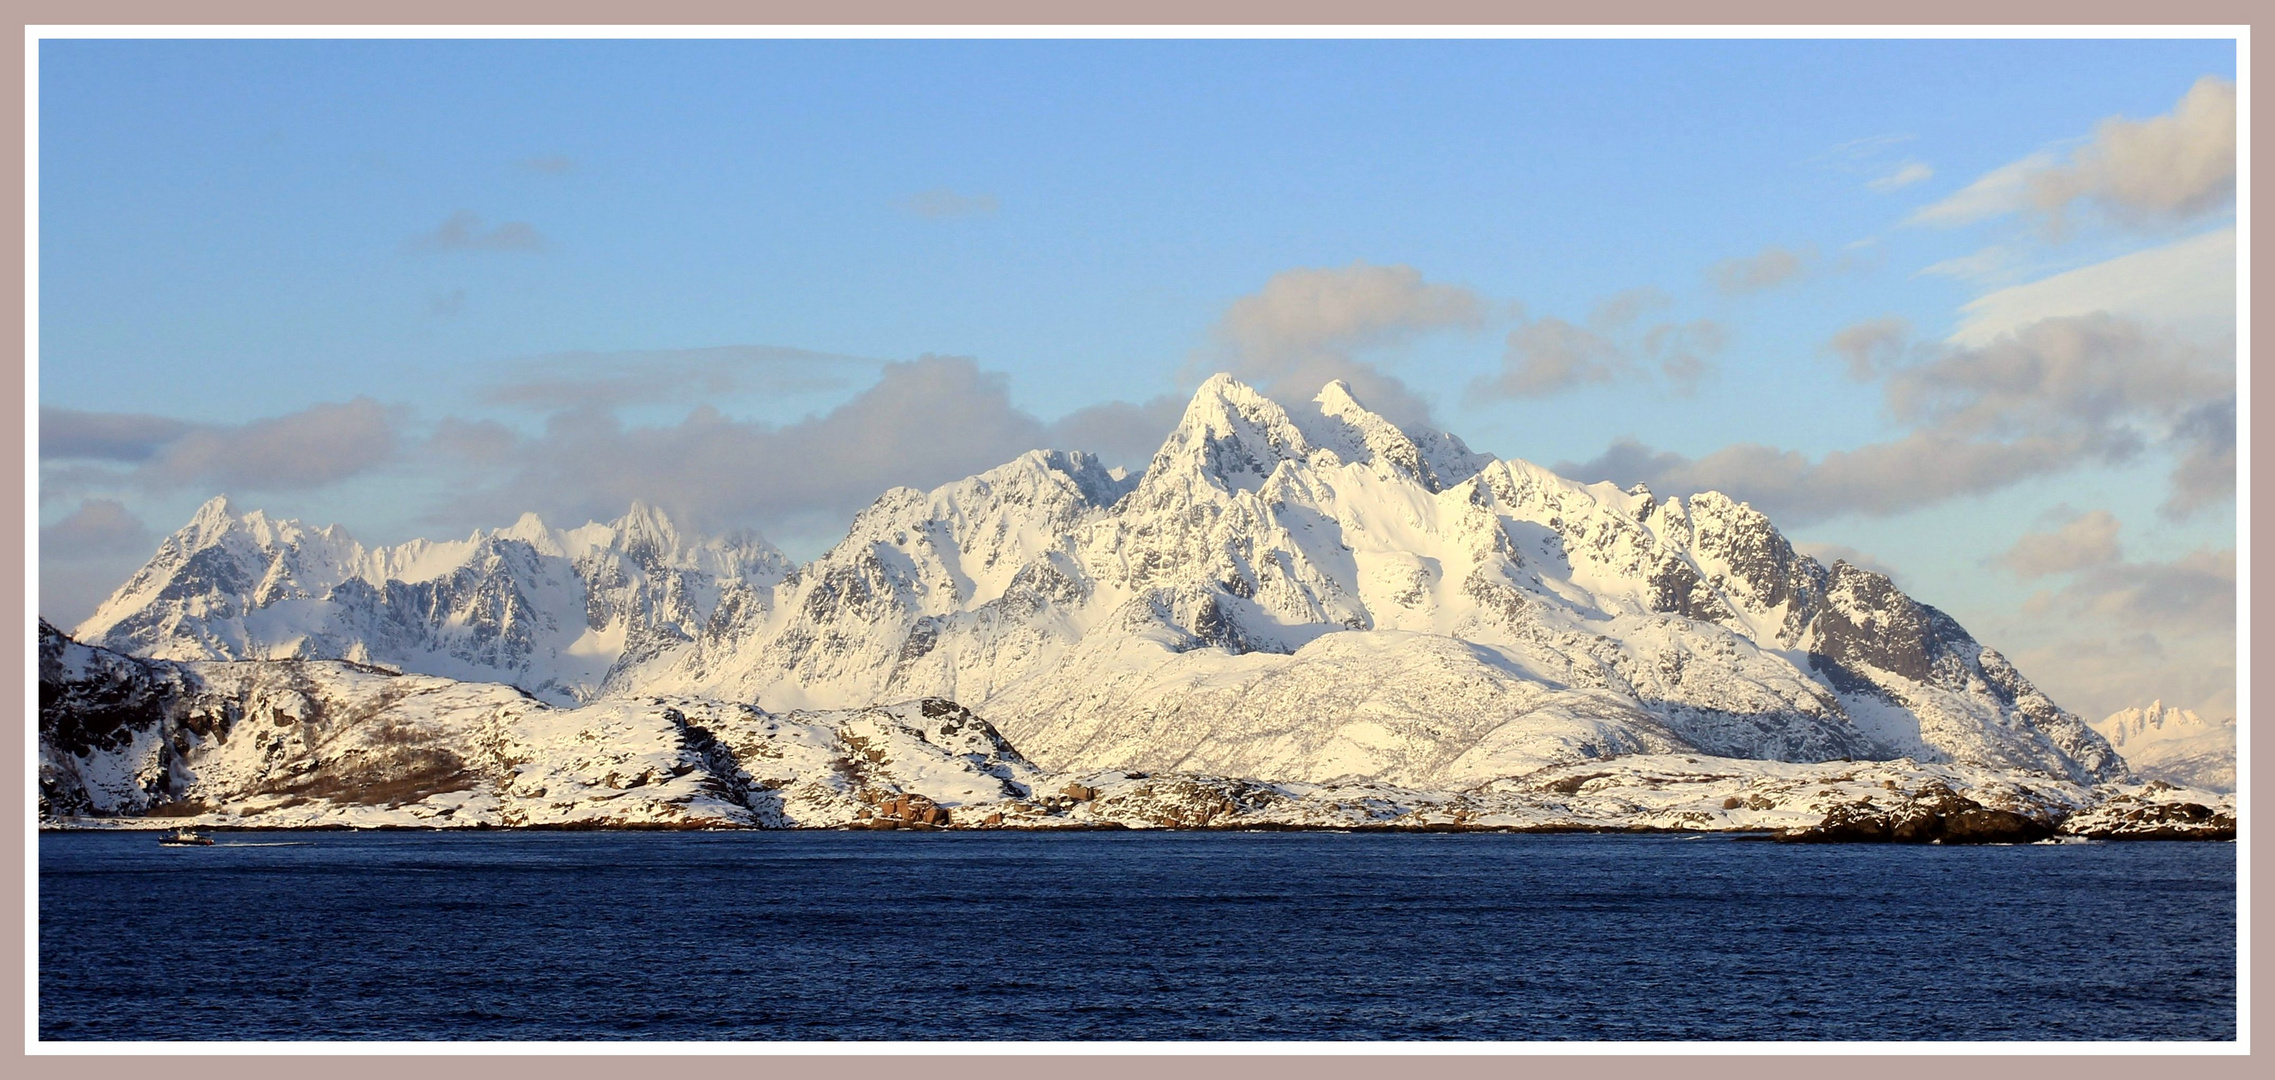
[{"x": 1127, "y": 935}]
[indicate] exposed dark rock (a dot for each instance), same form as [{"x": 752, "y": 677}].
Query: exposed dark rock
[
  {"x": 2128, "y": 817},
  {"x": 1935, "y": 815}
]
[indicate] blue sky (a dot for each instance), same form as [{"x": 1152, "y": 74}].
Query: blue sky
[{"x": 508, "y": 248}]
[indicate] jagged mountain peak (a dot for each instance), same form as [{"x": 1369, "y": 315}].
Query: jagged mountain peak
[
  {"x": 555, "y": 612},
  {"x": 1358, "y": 434},
  {"x": 217, "y": 519},
  {"x": 215, "y": 513},
  {"x": 646, "y": 526},
  {"x": 1232, "y": 437},
  {"x": 2177, "y": 745},
  {"x": 529, "y": 527},
  {"x": 2154, "y": 720}
]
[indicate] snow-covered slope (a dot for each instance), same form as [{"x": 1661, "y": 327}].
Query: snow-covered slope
[
  {"x": 2175, "y": 745},
  {"x": 563, "y": 614},
  {"x": 130, "y": 743},
  {"x": 1300, "y": 594},
  {"x": 301, "y": 742}
]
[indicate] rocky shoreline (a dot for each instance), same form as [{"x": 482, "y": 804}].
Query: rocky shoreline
[{"x": 1934, "y": 814}]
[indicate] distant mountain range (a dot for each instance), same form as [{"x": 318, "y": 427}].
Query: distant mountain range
[
  {"x": 1307, "y": 594},
  {"x": 2174, "y": 745}
]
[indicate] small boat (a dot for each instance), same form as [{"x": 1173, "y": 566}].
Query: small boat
[{"x": 185, "y": 838}]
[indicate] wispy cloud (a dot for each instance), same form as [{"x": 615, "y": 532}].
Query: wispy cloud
[
  {"x": 99, "y": 527},
  {"x": 944, "y": 203},
  {"x": 2003, "y": 190},
  {"x": 1871, "y": 156},
  {"x": 1905, "y": 175},
  {"x": 1988, "y": 265},
  {"x": 312, "y": 447},
  {"x": 463, "y": 231},
  {"x": 606, "y": 380},
  {"x": 1548, "y": 355},
  {"x": 84, "y": 555},
  {"x": 132, "y": 437},
  {"x": 1770, "y": 267},
  {"x": 551, "y": 165}
]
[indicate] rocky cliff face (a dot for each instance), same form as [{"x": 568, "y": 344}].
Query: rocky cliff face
[{"x": 1304, "y": 594}]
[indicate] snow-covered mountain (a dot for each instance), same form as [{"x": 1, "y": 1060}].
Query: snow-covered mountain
[
  {"x": 1299, "y": 594},
  {"x": 2175, "y": 745},
  {"x": 1314, "y": 593},
  {"x": 555, "y": 612}
]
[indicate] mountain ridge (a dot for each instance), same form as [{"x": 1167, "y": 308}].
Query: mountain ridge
[
  {"x": 1294, "y": 594},
  {"x": 2173, "y": 744}
]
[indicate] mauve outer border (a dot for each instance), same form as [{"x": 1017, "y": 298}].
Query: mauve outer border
[{"x": 1329, "y": 1066}]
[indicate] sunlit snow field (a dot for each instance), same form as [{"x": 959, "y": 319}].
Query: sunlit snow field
[{"x": 1126, "y": 935}]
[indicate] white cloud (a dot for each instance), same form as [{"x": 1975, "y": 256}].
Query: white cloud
[
  {"x": 1872, "y": 348},
  {"x": 2085, "y": 374},
  {"x": 1828, "y": 554},
  {"x": 2173, "y": 167},
  {"x": 2084, "y": 542},
  {"x": 319, "y": 445},
  {"x": 1881, "y": 478},
  {"x": 2115, "y": 633},
  {"x": 1549, "y": 356},
  {"x": 2054, "y": 396},
  {"x": 925, "y": 422},
  {"x": 1308, "y": 326},
  {"x": 2189, "y": 285},
  {"x": 2096, "y": 668}
]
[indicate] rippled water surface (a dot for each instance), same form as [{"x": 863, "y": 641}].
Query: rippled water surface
[{"x": 841, "y": 935}]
